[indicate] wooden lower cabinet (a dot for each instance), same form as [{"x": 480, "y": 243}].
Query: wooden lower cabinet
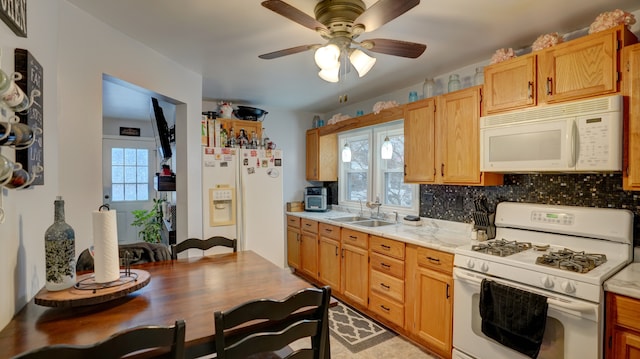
[
  {"x": 622, "y": 339},
  {"x": 429, "y": 305},
  {"x": 406, "y": 287},
  {"x": 293, "y": 242},
  {"x": 309, "y": 248},
  {"x": 329, "y": 257},
  {"x": 355, "y": 266}
]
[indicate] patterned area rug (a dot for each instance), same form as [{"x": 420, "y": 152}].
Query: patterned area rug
[{"x": 355, "y": 331}]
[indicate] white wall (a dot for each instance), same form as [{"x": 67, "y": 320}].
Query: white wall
[
  {"x": 30, "y": 211},
  {"x": 75, "y": 50}
]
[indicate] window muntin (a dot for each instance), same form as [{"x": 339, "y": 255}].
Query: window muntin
[{"x": 129, "y": 174}]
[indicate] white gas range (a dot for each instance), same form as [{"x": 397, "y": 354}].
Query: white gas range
[{"x": 562, "y": 253}]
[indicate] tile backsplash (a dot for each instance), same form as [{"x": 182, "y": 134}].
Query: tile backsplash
[{"x": 455, "y": 203}]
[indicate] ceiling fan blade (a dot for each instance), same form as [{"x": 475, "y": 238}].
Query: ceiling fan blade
[
  {"x": 293, "y": 14},
  {"x": 384, "y": 11},
  {"x": 394, "y": 47},
  {"x": 289, "y": 51}
]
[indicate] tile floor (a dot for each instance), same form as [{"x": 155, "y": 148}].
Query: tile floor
[{"x": 396, "y": 347}]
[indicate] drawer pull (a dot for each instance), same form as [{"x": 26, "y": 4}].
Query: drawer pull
[
  {"x": 549, "y": 85},
  {"x": 448, "y": 291},
  {"x": 353, "y": 237},
  {"x": 385, "y": 286},
  {"x": 435, "y": 260},
  {"x": 328, "y": 230},
  {"x": 385, "y": 265},
  {"x": 386, "y": 309},
  {"x": 530, "y": 90},
  {"x": 336, "y": 251},
  {"x": 385, "y": 247}
]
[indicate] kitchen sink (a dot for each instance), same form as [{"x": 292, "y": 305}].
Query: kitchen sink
[
  {"x": 349, "y": 219},
  {"x": 373, "y": 223}
]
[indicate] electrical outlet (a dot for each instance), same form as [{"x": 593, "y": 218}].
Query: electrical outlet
[
  {"x": 427, "y": 199},
  {"x": 459, "y": 203}
]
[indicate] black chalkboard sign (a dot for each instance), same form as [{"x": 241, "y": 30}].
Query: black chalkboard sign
[{"x": 31, "y": 72}]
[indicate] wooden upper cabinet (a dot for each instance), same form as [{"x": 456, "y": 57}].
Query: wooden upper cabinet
[
  {"x": 419, "y": 142},
  {"x": 442, "y": 140},
  {"x": 510, "y": 84},
  {"x": 322, "y": 156},
  {"x": 631, "y": 90},
  {"x": 580, "y": 68},
  {"x": 459, "y": 130}
]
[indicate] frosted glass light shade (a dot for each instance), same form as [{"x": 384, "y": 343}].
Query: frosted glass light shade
[
  {"x": 387, "y": 149},
  {"x": 330, "y": 75},
  {"x": 346, "y": 153},
  {"x": 327, "y": 57},
  {"x": 361, "y": 61}
]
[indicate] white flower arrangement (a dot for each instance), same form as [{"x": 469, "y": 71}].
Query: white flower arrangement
[
  {"x": 381, "y": 105},
  {"x": 547, "y": 40},
  {"x": 337, "y": 118},
  {"x": 502, "y": 55},
  {"x": 610, "y": 19}
]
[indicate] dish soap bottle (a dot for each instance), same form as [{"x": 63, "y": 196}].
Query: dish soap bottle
[{"x": 60, "y": 253}]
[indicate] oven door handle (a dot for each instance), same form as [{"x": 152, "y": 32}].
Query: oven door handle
[{"x": 577, "y": 307}]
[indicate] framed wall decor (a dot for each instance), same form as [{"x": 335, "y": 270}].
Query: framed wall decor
[
  {"x": 14, "y": 14},
  {"x": 32, "y": 76}
]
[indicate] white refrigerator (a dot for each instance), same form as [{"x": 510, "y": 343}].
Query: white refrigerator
[{"x": 242, "y": 198}]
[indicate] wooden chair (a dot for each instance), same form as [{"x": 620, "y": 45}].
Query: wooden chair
[
  {"x": 119, "y": 344},
  {"x": 203, "y": 244},
  {"x": 239, "y": 335}
]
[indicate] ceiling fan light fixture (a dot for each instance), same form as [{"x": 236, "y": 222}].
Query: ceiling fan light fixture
[
  {"x": 361, "y": 61},
  {"x": 330, "y": 75},
  {"x": 327, "y": 57}
]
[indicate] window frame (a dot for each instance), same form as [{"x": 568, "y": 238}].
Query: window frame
[{"x": 376, "y": 170}]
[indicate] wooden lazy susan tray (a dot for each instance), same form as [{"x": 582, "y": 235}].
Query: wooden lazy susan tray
[{"x": 87, "y": 292}]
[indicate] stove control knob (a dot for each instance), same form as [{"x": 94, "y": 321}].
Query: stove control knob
[
  {"x": 484, "y": 267},
  {"x": 568, "y": 287},
  {"x": 470, "y": 263},
  {"x": 546, "y": 281}
]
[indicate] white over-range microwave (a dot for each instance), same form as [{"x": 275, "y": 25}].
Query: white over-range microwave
[{"x": 581, "y": 136}]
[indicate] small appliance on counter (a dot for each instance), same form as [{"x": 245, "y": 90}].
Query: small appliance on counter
[{"x": 315, "y": 199}]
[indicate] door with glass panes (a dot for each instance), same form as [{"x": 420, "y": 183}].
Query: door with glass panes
[{"x": 127, "y": 181}]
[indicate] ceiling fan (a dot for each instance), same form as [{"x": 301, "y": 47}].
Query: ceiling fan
[{"x": 340, "y": 22}]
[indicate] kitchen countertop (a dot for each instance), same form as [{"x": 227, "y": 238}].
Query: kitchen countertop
[
  {"x": 433, "y": 233},
  {"x": 625, "y": 282}
]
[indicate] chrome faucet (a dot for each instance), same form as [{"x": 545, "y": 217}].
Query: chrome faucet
[
  {"x": 376, "y": 205},
  {"x": 361, "y": 210}
]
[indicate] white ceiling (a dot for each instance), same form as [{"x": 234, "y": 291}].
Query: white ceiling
[{"x": 222, "y": 41}]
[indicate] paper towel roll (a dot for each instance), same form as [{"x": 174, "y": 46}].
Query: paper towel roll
[{"x": 106, "y": 262}]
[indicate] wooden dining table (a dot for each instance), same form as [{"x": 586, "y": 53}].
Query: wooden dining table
[{"x": 191, "y": 289}]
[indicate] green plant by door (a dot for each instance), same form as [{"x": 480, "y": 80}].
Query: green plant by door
[{"x": 150, "y": 221}]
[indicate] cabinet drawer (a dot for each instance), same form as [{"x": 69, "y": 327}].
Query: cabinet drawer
[
  {"x": 626, "y": 312},
  {"x": 387, "y": 309},
  {"x": 431, "y": 258},
  {"x": 293, "y": 221},
  {"x": 386, "y": 285},
  {"x": 329, "y": 231},
  {"x": 355, "y": 238},
  {"x": 309, "y": 225},
  {"x": 387, "y": 247},
  {"x": 387, "y": 265}
]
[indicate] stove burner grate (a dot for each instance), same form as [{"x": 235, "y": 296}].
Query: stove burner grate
[
  {"x": 501, "y": 247},
  {"x": 570, "y": 260}
]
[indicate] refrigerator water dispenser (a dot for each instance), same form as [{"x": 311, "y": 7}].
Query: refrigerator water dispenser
[{"x": 222, "y": 206}]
